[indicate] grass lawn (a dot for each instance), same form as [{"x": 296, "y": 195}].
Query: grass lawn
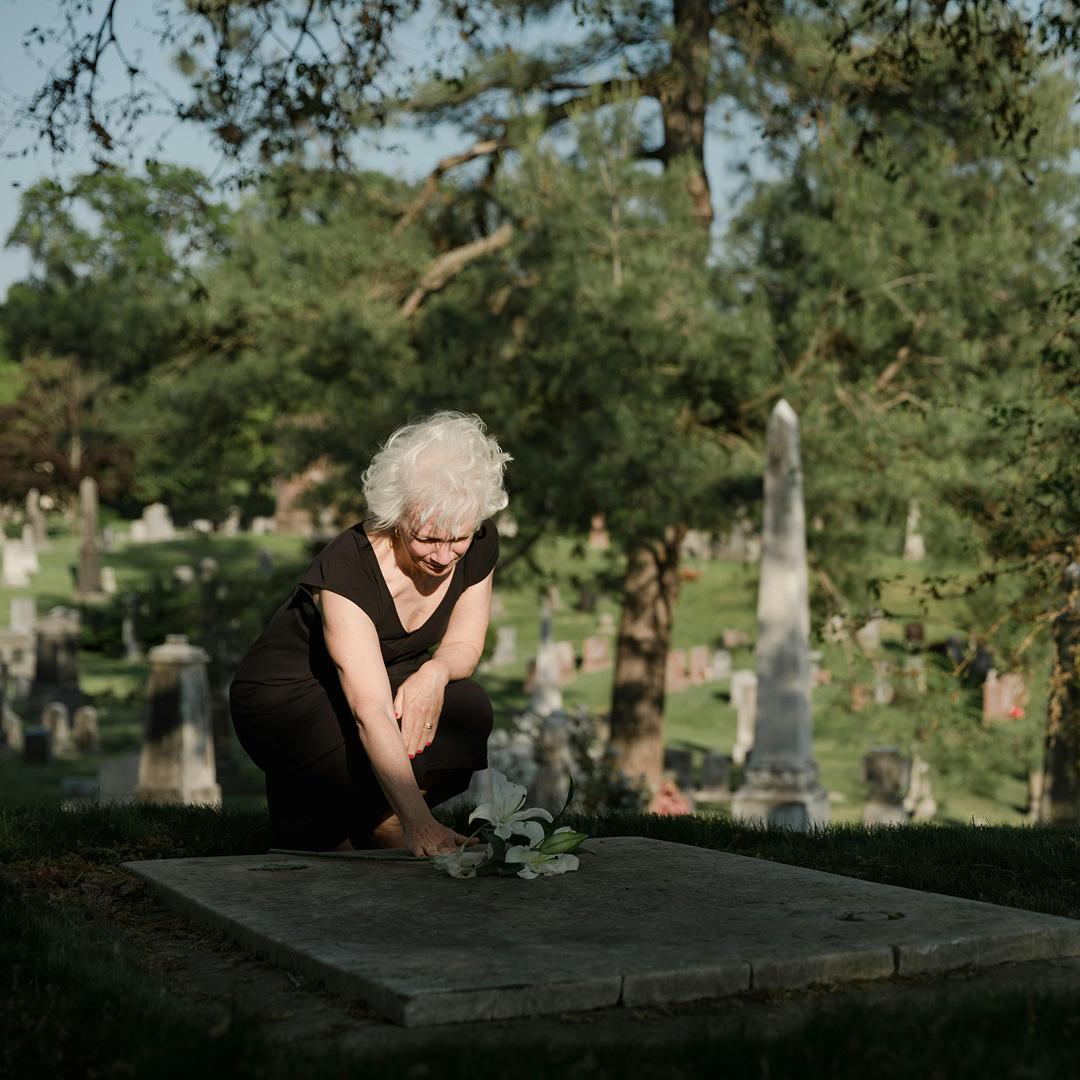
[{"x": 977, "y": 774}]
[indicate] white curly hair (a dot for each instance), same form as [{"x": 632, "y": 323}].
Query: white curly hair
[{"x": 443, "y": 471}]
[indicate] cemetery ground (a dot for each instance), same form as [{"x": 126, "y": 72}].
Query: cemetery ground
[{"x": 104, "y": 981}]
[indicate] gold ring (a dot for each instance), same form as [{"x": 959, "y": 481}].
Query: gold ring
[{"x": 427, "y": 727}]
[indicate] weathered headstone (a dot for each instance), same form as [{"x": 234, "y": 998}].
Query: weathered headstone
[
  {"x": 157, "y": 523},
  {"x": 715, "y": 777},
  {"x": 781, "y": 777},
  {"x": 208, "y": 566},
  {"x": 887, "y": 774},
  {"x": 184, "y": 574},
  {"x": 696, "y": 545},
  {"x": 36, "y": 518},
  {"x": 595, "y": 654},
  {"x": 675, "y": 675},
  {"x": 89, "y": 547},
  {"x": 1004, "y": 696},
  {"x": 11, "y": 726},
  {"x": 700, "y": 665},
  {"x": 868, "y": 636},
  {"x": 914, "y": 545},
  {"x": 553, "y": 760},
  {"x": 734, "y": 639},
  {"x": 913, "y": 675},
  {"x": 140, "y": 534},
  {"x": 30, "y": 549},
  {"x": 16, "y": 574},
  {"x": 262, "y": 526},
  {"x": 680, "y": 763},
  {"x": 505, "y": 650},
  {"x": 605, "y": 623},
  {"x": 54, "y": 717},
  {"x": 598, "y": 534},
  {"x": 919, "y": 803},
  {"x": 84, "y": 729},
  {"x": 835, "y": 631},
  {"x": 177, "y": 761},
  {"x": 231, "y": 525},
  {"x": 108, "y": 580},
  {"x": 914, "y": 636},
  {"x": 132, "y": 647},
  {"x": 884, "y": 691},
  {"x": 23, "y": 614},
  {"x": 546, "y": 696},
  {"x": 37, "y": 745},
  {"x": 721, "y": 665},
  {"x": 56, "y": 675},
  {"x": 567, "y": 661},
  {"x": 744, "y": 699}
]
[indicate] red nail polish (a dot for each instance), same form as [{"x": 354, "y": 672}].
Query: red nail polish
[
  {"x": 428, "y": 743},
  {"x": 411, "y": 756}
]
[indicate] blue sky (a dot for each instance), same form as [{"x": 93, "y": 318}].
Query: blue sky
[{"x": 409, "y": 154}]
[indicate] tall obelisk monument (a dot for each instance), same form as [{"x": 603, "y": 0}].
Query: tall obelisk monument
[{"x": 781, "y": 785}]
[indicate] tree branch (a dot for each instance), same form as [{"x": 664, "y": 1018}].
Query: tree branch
[
  {"x": 431, "y": 185},
  {"x": 452, "y": 263}
]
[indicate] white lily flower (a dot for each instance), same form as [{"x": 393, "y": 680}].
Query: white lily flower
[
  {"x": 534, "y": 862},
  {"x": 462, "y": 863},
  {"x": 505, "y": 809}
]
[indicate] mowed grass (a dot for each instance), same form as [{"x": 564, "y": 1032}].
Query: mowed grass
[{"x": 978, "y": 774}]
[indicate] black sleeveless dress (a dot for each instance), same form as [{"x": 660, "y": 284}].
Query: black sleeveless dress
[{"x": 291, "y": 716}]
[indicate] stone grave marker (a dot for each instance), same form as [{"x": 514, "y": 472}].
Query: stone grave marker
[
  {"x": 734, "y": 639},
  {"x": 605, "y": 623},
  {"x": 914, "y": 636},
  {"x": 566, "y": 659},
  {"x": 681, "y": 764},
  {"x": 140, "y": 534},
  {"x": 158, "y": 523},
  {"x": 16, "y": 574},
  {"x": 700, "y": 665},
  {"x": 132, "y": 647},
  {"x": 553, "y": 761},
  {"x": 696, "y": 545},
  {"x": 887, "y": 774},
  {"x": 919, "y": 803},
  {"x": 30, "y": 550},
  {"x": 18, "y": 656},
  {"x": 675, "y": 675},
  {"x": 37, "y": 745},
  {"x": 505, "y": 649},
  {"x": 262, "y": 526},
  {"x": 56, "y": 674},
  {"x": 11, "y": 726},
  {"x": 54, "y": 717},
  {"x": 884, "y": 691},
  {"x": 36, "y": 517},
  {"x": 598, "y": 534},
  {"x": 545, "y": 695},
  {"x": 177, "y": 760},
  {"x": 231, "y": 525},
  {"x": 184, "y": 574},
  {"x": 84, "y": 729},
  {"x": 23, "y": 614},
  {"x": 914, "y": 545},
  {"x": 595, "y": 654},
  {"x": 89, "y": 546},
  {"x": 1004, "y": 697},
  {"x": 108, "y": 581},
  {"x": 721, "y": 665},
  {"x": 913, "y": 675},
  {"x": 868, "y": 636},
  {"x": 715, "y": 777},
  {"x": 744, "y": 698},
  {"x": 835, "y": 631},
  {"x": 781, "y": 776},
  {"x": 208, "y": 567}
]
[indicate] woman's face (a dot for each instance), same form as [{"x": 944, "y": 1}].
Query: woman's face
[{"x": 435, "y": 550}]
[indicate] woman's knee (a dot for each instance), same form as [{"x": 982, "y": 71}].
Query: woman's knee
[{"x": 467, "y": 705}]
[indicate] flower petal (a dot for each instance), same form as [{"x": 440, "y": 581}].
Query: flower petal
[
  {"x": 532, "y": 812},
  {"x": 531, "y": 829}
]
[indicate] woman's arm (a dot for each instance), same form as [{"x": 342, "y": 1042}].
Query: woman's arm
[
  {"x": 419, "y": 699},
  {"x": 353, "y": 644}
]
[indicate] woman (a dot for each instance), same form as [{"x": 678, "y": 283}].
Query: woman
[{"x": 358, "y": 725}]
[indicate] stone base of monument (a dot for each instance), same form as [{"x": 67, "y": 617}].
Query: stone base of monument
[
  {"x": 642, "y": 922},
  {"x": 793, "y": 807}
]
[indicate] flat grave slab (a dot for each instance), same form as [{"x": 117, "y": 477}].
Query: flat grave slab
[{"x": 642, "y": 922}]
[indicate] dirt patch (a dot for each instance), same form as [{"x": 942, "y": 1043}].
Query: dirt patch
[{"x": 207, "y": 967}]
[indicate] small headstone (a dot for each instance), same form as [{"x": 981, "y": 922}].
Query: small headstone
[
  {"x": 117, "y": 779},
  {"x": 734, "y": 639},
  {"x": 35, "y": 515},
  {"x": 595, "y": 654},
  {"x": 56, "y": 676},
  {"x": 202, "y": 526},
  {"x": 887, "y": 774},
  {"x": 919, "y": 803},
  {"x": 566, "y": 662},
  {"x": 208, "y": 568},
  {"x": 914, "y": 636},
  {"x": 913, "y": 675},
  {"x": 505, "y": 650},
  {"x": 132, "y": 648},
  {"x": 231, "y": 525},
  {"x": 715, "y": 777},
  {"x": 914, "y": 545},
  {"x": 23, "y": 614},
  {"x": 835, "y": 630},
  {"x": 868, "y": 636},
  {"x": 681, "y": 764},
  {"x": 605, "y": 623},
  {"x": 108, "y": 539},
  {"x": 721, "y": 665},
  {"x": 184, "y": 574},
  {"x": 1004, "y": 697},
  {"x": 84, "y": 729},
  {"x": 16, "y": 573},
  {"x": 744, "y": 698},
  {"x": 675, "y": 677},
  {"x": 54, "y": 717},
  {"x": 553, "y": 762},
  {"x": 700, "y": 665},
  {"x": 37, "y": 746},
  {"x": 696, "y": 545},
  {"x": 598, "y": 534},
  {"x": 158, "y": 523},
  {"x": 543, "y": 683},
  {"x": 30, "y": 550},
  {"x": 108, "y": 580},
  {"x": 140, "y": 534},
  {"x": 262, "y": 526},
  {"x": 177, "y": 761},
  {"x": 884, "y": 691}
]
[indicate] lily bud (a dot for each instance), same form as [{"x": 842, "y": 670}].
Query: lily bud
[{"x": 560, "y": 842}]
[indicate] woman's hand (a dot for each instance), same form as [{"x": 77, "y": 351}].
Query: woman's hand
[
  {"x": 418, "y": 705},
  {"x": 428, "y": 837}
]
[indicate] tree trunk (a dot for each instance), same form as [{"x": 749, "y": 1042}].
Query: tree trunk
[
  {"x": 650, "y": 590},
  {"x": 1061, "y": 785},
  {"x": 684, "y": 96}
]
